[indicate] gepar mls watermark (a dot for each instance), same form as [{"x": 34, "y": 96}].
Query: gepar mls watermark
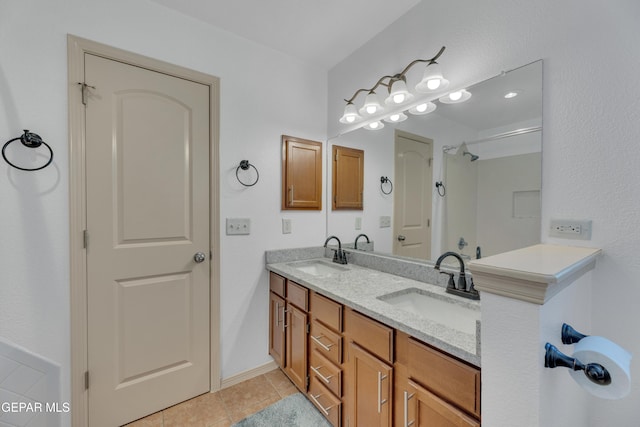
[{"x": 35, "y": 407}]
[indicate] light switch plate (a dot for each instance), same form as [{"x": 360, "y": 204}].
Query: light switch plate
[
  {"x": 385, "y": 221},
  {"x": 358, "y": 223},
  {"x": 238, "y": 226},
  {"x": 286, "y": 226}
]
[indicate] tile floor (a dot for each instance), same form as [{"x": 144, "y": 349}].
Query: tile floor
[{"x": 225, "y": 407}]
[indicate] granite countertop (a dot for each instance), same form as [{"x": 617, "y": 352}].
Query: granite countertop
[{"x": 360, "y": 288}]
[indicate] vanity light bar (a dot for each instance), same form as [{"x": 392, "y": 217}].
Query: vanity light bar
[{"x": 399, "y": 98}]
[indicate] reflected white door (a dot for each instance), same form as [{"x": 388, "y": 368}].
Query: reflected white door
[
  {"x": 412, "y": 196},
  {"x": 147, "y": 169}
]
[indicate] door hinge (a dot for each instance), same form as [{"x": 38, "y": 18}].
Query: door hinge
[
  {"x": 85, "y": 239},
  {"x": 307, "y": 383},
  {"x": 84, "y": 87},
  {"x": 86, "y": 380},
  {"x": 428, "y": 222},
  {"x": 308, "y": 327},
  {"x": 430, "y": 161}
]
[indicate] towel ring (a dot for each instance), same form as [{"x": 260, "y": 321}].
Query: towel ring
[
  {"x": 245, "y": 165},
  {"x": 30, "y": 140},
  {"x": 385, "y": 180}
]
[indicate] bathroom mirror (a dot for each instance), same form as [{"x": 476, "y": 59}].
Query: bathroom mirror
[{"x": 485, "y": 156}]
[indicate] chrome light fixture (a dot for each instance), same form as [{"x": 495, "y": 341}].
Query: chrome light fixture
[{"x": 399, "y": 95}]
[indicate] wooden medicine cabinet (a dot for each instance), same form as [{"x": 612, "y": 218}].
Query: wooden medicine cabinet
[
  {"x": 301, "y": 174},
  {"x": 348, "y": 178}
]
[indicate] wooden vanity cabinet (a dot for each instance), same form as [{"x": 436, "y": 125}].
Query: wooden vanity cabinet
[
  {"x": 289, "y": 326},
  {"x": 369, "y": 375},
  {"x": 432, "y": 388},
  {"x": 301, "y": 174},
  {"x": 361, "y": 373}
]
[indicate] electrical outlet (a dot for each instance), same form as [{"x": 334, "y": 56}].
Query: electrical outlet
[
  {"x": 286, "y": 226},
  {"x": 385, "y": 221},
  {"x": 570, "y": 229},
  {"x": 237, "y": 226}
]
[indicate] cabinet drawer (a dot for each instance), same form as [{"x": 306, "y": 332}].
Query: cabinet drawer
[
  {"x": 326, "y": 342},
  {"x": 326, "y": 372},
  {"x": 370, "y": 334},
  {"x": 327, "y": 403},
  {"x": 327, "y": 311},
  {"x": 298, "y": 295},
  {"x": 276, "y": 284},
  {"x": 450, "y": 379}
]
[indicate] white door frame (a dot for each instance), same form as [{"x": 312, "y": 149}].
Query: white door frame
[{"x": 76, "y": 48}]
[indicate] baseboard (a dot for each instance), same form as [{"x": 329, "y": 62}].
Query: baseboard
[{"x": 247, "y": 375}]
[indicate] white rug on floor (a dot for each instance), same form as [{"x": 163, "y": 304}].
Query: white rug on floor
[{"x": 292, "y": 411}]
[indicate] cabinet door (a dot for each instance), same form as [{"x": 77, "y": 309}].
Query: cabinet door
[
  {"x": 348, "y": 178},
  {"x": 425, "y": 409},
  {"x": 296, "y": 343},
  {"x": 371, "y": 384},
  {"x": 301, "y": 174},
  {"x": 276, "y": 328}
]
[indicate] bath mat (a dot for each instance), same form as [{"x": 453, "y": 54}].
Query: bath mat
[{"x": 292, "y": 411}]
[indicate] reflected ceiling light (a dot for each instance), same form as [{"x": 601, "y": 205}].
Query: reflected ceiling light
[
  {"x": 455, "y": 97},
  {"x": 511, "y": 94},
  {"x": 398, "y": 93},
  {"x": 396, "y": 118},
  {"x": 374, "y": 126},
  {"x": 424, "y": 108}
]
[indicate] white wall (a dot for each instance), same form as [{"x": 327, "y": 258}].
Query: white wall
[
  {"x": 591, "y": 112},
  {"x": 263, "y": 94}
]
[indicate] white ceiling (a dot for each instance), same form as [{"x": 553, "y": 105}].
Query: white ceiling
[{"x": 323, "y": 32}]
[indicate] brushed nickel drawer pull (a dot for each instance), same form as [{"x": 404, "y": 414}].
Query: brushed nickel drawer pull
[
  {"x": 327, "y": 380},
  {"x": 322, "y": 408},
  {"x": 407, "y": 396},
  {"x": 380, "y": 400},
  {"x": 317, "y": 340}
]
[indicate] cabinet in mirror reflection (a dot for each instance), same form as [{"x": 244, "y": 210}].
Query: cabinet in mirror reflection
[{"x": 486, "y": 153}]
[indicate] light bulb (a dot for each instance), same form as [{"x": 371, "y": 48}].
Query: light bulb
[
  {"x": 433, "y": 84},
  {"x": 394, "y": 117},
  {"x": 454, "y": 96},
  {"x": 374, "y": 125},
  {"x": 371, "y": 109},
  {"x": 421, "y": 108},
  {"x": 398, "y": 98},
  {"x": 350, "y": 119}
]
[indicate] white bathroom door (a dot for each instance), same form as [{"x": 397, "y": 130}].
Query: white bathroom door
[
  {"x": 412, "y": 197},
  {"x": 148, "y": 213}
]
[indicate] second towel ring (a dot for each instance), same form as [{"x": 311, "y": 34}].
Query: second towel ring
[
  {"x": 385, "y": 180},
  {"x": 245, "y": 165}
]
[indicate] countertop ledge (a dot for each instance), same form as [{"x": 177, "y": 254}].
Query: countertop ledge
[
  {"x": 360, "y": 288},
  {"x": 533, "y": 274}
]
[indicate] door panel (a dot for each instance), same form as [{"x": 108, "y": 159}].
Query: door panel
[
  {"x": 147, "y": 174},
  {"x": 412, "y": 198}
]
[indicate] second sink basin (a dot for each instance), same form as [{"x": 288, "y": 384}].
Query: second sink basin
[
  {"x": 461, "y": 315},
  {"x": 318, "y": 268}
]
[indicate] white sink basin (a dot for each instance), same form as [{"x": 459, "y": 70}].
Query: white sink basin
[
  {"x": 460, "y": 316},
  {"x": 318, "y": 268}
]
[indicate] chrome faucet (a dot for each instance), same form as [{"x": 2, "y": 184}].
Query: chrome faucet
[
  {"x": 339, "y": 256},
  {"x": 355, "y": 245},
  {"x": 461, "y": 289}
]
